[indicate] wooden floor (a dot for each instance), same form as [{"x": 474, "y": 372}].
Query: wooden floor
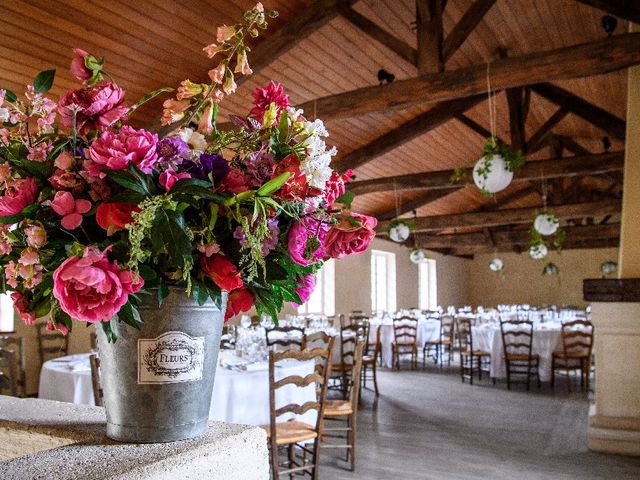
[{"x": 428, "y": 425}]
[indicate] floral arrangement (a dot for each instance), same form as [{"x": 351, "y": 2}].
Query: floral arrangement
[
  {"x": 495, "y": 151},
  {"x": 95, "y": 212},
  {"x": 545, "y": 233}
]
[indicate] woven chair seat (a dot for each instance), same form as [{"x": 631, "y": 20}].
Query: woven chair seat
[
  {"x": 571, "y": 355},
  {"x": 338, "y": 367},
  {"x": 291, "y": 432},
  {"x": 337, "y": 408},
  {"x": 521, "y": 357},
  {"x": 476, "y": 353}
]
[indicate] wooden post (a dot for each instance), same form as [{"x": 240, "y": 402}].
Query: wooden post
[{"x": 430, "y": 37}]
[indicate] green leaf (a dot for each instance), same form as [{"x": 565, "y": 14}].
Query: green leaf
[
  {"x": 184, "y": 184},
  {"x": 108, "y": 331},
  {"x": 26, "y": 212},
  {"x": 274, "y": 184},
  {"x": 149, "y": 96},
  {"x": 127, "y": 180},
  {"x": 169, "y": 226},
  {"x": 44, "y": 81},
  {"x": 130, "y": 315},
  {"x": 9, "y": 96},
  {"x": 127, "y": 197},
  {"x": 163, "y": 292},
  {"x": 346, "y": 198}
]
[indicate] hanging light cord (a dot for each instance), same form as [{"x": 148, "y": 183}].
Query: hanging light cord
[{"x": 492, "y": 105}]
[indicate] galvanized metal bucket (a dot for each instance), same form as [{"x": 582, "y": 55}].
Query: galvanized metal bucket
[{"x": 158, "y": 380}]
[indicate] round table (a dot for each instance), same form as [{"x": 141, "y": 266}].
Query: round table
[
  {"x": 428, "y": 330},
  {"x": 239, "y": 396}
]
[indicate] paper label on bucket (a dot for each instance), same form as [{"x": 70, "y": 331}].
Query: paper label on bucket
[{"x": 173, "y": 357}]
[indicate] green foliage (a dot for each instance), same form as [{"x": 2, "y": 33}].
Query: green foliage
[
  {"x": 44, "y": 81},
  {"x": 9, "y": 96},
  {"x": 513, "y": 158}
]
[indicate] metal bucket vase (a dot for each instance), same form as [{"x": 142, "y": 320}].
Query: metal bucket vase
[{"x": 158, "y": 380}]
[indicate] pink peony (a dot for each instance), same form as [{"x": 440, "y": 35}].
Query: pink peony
[
  {"x": 21, "y": 304},
  {"x": 91, "y": 288},
  {"x": 305, "y": 288},
  {"x": 351, "y": 235},
  {"x": 116, "y": 150},
  {"x": 97, "y": 107},
  {"x": 70, "y": 209},
  {"x": 304, "y": 247},
  {"x": 169, "y": 177},
  {"x": 21, "y": 193},
  {"x": 78, "y": 67}
]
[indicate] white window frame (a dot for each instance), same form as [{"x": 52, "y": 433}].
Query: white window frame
[
  {"x": 7, "y": 314},
  {"x": 383, "y": 281},
  {"x": 427, "y": 285},
  {"x": 323, "y": 299}
]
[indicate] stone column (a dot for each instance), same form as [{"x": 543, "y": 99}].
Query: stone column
[{"x": 614, "y": 423}]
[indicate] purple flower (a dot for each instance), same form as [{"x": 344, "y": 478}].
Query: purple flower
[
  {"x": 208, "y": 163},
  {"x": 260, "y": 168},
  {"x": 171, "y": 152},
  {"x": 268, "y": 243}
]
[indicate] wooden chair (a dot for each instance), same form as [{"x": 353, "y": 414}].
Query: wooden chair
[
  {"x": 295, "y": 434},
  {"x": 442, "y": 344},
  {"x": 8, "y": 371},
  {"x": 98, "y": 394},
  {"x": 345, "y": 411},
  {"x": 93, "y": 341},
  {"x": 405, "y": 331},
  {"x": 370, "y": 361},
  {"x": 282, "y": 337},
  {"x": 317, "y": 340},
  {"x": 16, "y": 344},
  {"x": 577, "y": 345},
  {"x": 349, "y": 336},
  {"x": 517, "y": 340},
  {"x": 471, "y": 360},
  {"x": 51, "y": 344}
]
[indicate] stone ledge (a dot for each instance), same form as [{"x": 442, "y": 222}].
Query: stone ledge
[
  {"x": 81, "y": 450},
  {"x": 611, "y": 290}
]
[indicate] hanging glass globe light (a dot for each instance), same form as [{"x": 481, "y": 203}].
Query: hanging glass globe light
[
  {"x": 496, "y": 265},
  {"x": 399, "y": 231},
  {"x": 550, "y": 269},
  {"x": 538, "y": 252},
  {"x": 608, "y": 267},
  {"x": 546, "y": 224},
  {"x": 417, "y": 255},
  {"x": 491, "y": 174}
]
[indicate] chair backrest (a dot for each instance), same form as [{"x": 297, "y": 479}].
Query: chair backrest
[
  {"x": 318, "y": 339},
  {"x": 96, "y": 383},
  {"x": 8, "y": 371},
  {"x": 577, "y": 338},
  {"x": 447, "y": 323},
  {"x": 319, "y": 378},
  {"x": 349, "y": 337},
  {"x": 465, "y": 340},
  {"x": 285, "y": 337},
  {"x": 93, "y": 341},
  {"x": 517, "y": 336},
  {"x": 373, "y": 347},
  {"x": 405, "y": 330},
  {"x": 354, "y": 378},
  {"x": 16, "y": 344},
  {"x": 51, "y": 344}
]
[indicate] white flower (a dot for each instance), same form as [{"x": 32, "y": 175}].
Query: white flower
[
  {"x": 316, "y": 128},
  {"x": 4, "y": 114},
  {"x": 195, "y": 139},
  {"x": 317, "y": 169},
  {"x": 293, "y": 113}
]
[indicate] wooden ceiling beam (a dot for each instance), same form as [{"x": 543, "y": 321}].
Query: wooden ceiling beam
[
  {"x": 517, "y": 117},
  {"x": 507, "y": 216},
  {"x": 537, "y": 140},
  {"x": 406, "y": 132},
  {"x": 469, "y": 21},
  {"x": 626, "y": 9},
  {"x": 592, "y": 58},
  {"x": 393, "y": 43},
  {"x": 592, "y": 164},
  {"x": 503, "y": 237},
  {"x": 521, "y": 248},
  {"x": 613, "y": 125},
  {"x": 424, "y": 199},
  {"x": 574, "y": 147},
  {"x": 429, "y": 35}
]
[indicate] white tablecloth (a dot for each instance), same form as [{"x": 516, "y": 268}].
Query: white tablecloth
[
  {"x": 546, "y": 339},
  {"x": 238, "y": 396},
  {"x": 428, "y": 330}
]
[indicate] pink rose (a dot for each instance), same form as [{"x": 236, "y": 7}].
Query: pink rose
[
  {"x": 21, "y": 193},
  {"x": 92, "y": 288},
  {"x": 97, "y": 107},
  {"x": 351, "y": 235},
  {"x": 169, "y": 177},
  {"x": 305, "y": 241},
  {"x": 78, "y": 67},
  {"x": 21, "y": 304},
  {"x": 305, "y": 288},
  {"x": 70, "y": 209},
  {"x": 117, "y": 150}
]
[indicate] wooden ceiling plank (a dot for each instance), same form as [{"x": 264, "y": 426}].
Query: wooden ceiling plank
[
  {"x": 586, "y": 59},
  {"x": 593, "y": 114},
  {"x": 471, "y": 18},
  {"x": 591, "y": 164},
  {"x": 430, "y": 36},
  {"x": 627, "y": 9},
  {"x": 406, "y": 132},
  {"x": 507, "y": 216},
  {"x": 401, "y": 48},
  {"x": 537, "y": 140}
]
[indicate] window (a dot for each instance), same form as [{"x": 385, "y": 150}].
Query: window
[
  {"x": 383, "y": 281},
  {"x": 6, "y": 313},
  {"x": 427, "y": 285},
  {"x": 323, "y": 298}
]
